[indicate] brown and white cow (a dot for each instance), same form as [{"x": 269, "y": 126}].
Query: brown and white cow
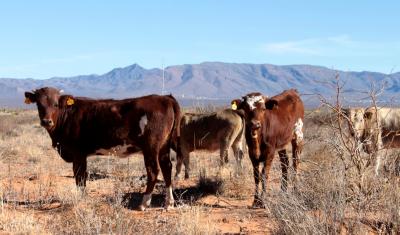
[
  {"x": 378, "y": 129},
  {"x": 214, "y": 131},
  {"x": 80, "y": 127},
  {"x": 271, "y": 125}
]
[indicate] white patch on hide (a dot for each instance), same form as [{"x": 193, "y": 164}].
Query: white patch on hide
[
  {"x": 143, "y": 123},
  {"x": 253, "y": 100},
  {"x": 298, "y": 131}
]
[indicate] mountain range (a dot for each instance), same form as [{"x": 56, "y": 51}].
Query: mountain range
[{"x": 207, "y": 81}]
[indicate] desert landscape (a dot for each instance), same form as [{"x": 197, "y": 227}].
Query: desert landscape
[
  {"x": 101, "y": 103},
  {"x": 38, "y": 192}
]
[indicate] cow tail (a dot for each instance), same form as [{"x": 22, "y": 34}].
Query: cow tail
[{"x": 176, "y": 131}]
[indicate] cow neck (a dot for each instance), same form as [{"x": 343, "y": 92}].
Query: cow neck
[{"x": 60, "y": 125}]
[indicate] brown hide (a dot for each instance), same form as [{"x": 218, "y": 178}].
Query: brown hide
[{"x": 214, "y": 131}]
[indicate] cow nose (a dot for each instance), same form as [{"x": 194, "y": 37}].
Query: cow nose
[
  {"x": 256, "y": 124},
  {"x": 47, "y": 122}
]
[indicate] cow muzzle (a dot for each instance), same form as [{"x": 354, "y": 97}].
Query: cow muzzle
[
  {"x": 47, "y": 123},
  {"x": 255, "y": 126}
]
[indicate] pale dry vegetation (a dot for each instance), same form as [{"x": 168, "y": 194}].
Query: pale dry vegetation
[{"x": 38, "y": 193}]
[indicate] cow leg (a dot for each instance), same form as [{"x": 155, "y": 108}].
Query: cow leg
[
  {"x": 284, "y": 166},
  {"x": 166, "y": 169},
  {"x": 152, "y": 169},
  {"x": 185, "y": 159},
  {"x": 238, "y": 152},
  {"x": 265, "y": 171},
  {"x": 256, "y": 172},
  {"x": 79, "y": 167},
  {"x": 186, "y": 162},
  {"x": 224, "y": 155},
  {"x": 378, "y": 154},
  {"x": 296, "y": 151},
  {"x": 378, "y": 163}
]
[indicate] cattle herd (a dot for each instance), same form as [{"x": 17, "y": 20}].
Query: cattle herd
[{"x": 80, "y": 127}]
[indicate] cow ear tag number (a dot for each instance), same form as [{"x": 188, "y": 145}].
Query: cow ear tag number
[
  {"x": 234, "y": 106},
  {"x": 70, "y": 101}
]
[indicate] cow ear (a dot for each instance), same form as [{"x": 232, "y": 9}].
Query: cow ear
[
  {"x": 235, "y": 104},
  {"x": 30, "y": 97},
  {"x": 66, "y": 101},
  {"x": 271, "y": 104}
]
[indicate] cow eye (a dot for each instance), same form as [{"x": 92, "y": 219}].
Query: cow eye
[{"x": 56, "y": 105}]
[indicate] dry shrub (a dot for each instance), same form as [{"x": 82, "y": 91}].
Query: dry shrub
[{"x": 339, "y": 192}]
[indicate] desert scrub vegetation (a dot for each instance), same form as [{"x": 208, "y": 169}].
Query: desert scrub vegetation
[
  {"x": 331, "y": 196},
  {"x": 338, "y": 190},
  {"x": 38, "y": 193}
]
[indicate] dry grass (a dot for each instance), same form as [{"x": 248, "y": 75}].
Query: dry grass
[
  {"x": 38, "y": 194},
  {"x": 327, "y": 200}
]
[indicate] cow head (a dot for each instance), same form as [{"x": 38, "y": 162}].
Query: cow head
[
  {"x": 371, "y": 134},
  {"x": 355, "y": 119},
  {"x": 49, "y": 102},
  {"x": 254, "y": 106}
]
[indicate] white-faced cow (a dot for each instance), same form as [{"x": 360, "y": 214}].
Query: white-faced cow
[
  {"x": 79, "y": 127},
  {"x": 215, "y": 131},
  {"x": 355, "y": 118},
  {"x": 271, "y": 125},
  {"x": 378, "y": 129}
]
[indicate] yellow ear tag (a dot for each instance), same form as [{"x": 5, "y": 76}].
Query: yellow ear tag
[
  {"x": 234, "y": 106},
  {"x": 70, "y": 101},
  {"x": 27, "y": 101}
]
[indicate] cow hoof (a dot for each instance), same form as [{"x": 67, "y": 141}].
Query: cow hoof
[
  {"x": 257, "y": 203},
  {"x": 186, "y": 177}
]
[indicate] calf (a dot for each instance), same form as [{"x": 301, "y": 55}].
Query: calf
[
  {"x": 271, "y": 125},
  {"x": 80, "y": 127},
  {"x": 215, "y": 131}
]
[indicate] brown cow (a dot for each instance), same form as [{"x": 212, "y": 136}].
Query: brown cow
[
  {"x": 271, "y": 125},
  {"x": 79, "y": 127},
  {"x": 214, "y": 131}
]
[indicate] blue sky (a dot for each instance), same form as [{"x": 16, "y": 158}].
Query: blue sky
[{"x": 42, "y": 39}]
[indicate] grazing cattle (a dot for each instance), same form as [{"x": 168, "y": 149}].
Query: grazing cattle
[
  {"x": 79, "y": 127},
  {"x": 215, "y": 131},
  {"x": 271, "y": 125},
  {"x": 378, "y": 129}
]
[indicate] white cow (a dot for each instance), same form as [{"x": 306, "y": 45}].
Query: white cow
[{"x": 379, "y": 128}]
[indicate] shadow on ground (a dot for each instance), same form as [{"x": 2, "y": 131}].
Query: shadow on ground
[{"x": 187, "y": 195}]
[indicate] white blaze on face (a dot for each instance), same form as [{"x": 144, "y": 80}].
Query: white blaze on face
[
  {"x": 298, "y": 130},
  {"x": 143, "y": 123},
  {"x": 253, "y": 100}
]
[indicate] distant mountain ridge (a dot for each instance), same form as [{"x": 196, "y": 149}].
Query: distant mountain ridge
[{"x": 208, "y": 80}]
